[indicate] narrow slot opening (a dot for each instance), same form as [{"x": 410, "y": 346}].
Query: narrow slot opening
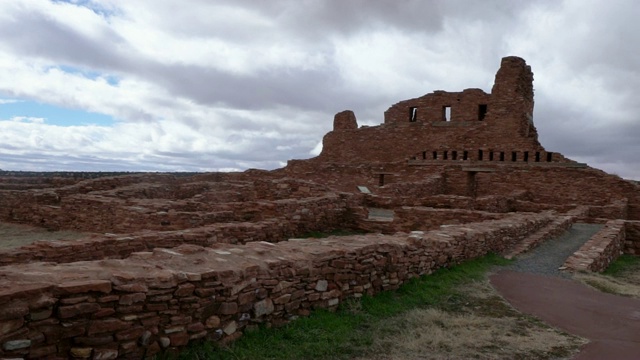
[
  {"x": 526, "y": 156},
  {"x": 381, "y": 180},
  {"x": 480, "y": 155},
  {"x": 482, "y": 111},
  {"x": 490, "y": 155},
  {"x": 446, "y": 113},
  {"x": 413, "y": 114},
  {"x": 549, "y": 156},
  {"x": 454, "y": 155},
  {"x": 501, "y": 155},
  {"x": 537, "y": 156},
  {"x": 435, "y": 155},
  {"x": 424, "y": 155},
  {"x": 465, "y": 155},
  {"x": 444, "y": 155},
  {"x": 514, "y": 156}
]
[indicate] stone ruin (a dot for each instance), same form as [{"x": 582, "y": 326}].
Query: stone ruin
[{"x": 169, "y": 259}]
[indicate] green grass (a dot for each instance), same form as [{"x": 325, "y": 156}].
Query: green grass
[
  {"x": 351, "y": 330},
  {"x": 622, "y": 264}
]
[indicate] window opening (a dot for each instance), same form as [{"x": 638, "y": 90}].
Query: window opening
[
  {"x": 490, "y": 155},
  {"x": 514, "y": 156},
  {"x": 537, "y": 156},
  {"x": 480, "y": 155},
  {"x": 413, "y": 114},
  {"x": 444, "y": 155},
  {"x": 549, "y": 157},
  {"x": 381, "y": 180},
  {"x": 424, "y": 155},
  {"x": 465, "y": 155},
  {"x": 454, "y": 155},
  {"x": 526, "y": 156},
  {"x": 435, "y": 155},
  {"x": 501, "y": 155},
  {"x": 482, "y": 111},
  {"x": 446, "y": 113}
]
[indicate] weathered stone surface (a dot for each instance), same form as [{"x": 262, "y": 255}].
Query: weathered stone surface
[
  {"x": 107, "y": 325},
  {"x": 184, "y": 290},
  {"x": 81, "y": 353},
  {"x": 228, "y": 308},
  {"x": 80, "y": 287},
  {"x": 263, "y": 307},
  {"x": 230, "y": 328},
  {"x": 78, "y": 309},
  {"x": 105, "y": 354},
  {"x": 16, "y": 344},
  {"x": 7, "y": 326},
  {"x": 212, "y": 322},
  {"x": 129, "y": 299}
]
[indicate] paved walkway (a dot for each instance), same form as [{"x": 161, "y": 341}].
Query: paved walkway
[{"x": 534, "y": 286}]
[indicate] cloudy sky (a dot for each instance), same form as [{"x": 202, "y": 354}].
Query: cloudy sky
[{"x": 219, "y": 85}]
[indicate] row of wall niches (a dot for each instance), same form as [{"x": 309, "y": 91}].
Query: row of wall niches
[{"x": 483, "y": 155}]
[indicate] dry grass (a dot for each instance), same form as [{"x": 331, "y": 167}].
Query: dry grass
[
  {"x": 478, "y": 324},
  {"x": 622, "y": 278},
  {"x": 16, "y": 235},
  {"x": 609, "y": 284}
]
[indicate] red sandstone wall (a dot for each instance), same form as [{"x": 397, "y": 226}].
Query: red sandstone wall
[
  {"x": 135, "y": 307},
  {"x": 632, "y": 243},
  {"x": 601, "y": 250}
]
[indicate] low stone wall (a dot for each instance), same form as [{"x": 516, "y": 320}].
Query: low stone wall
[
  {"x": 424, "y": 218},
  {"x": 297, "y": 217},
  {"x": 558, "y": 226},
  {"x": 632, "y": 243},
  {"x": 134, "y": 307},
  {"x": 601, "y": 250}
]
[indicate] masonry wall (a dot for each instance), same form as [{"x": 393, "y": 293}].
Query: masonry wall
[
  {"x": 294, "y": 218},
  {"x": 601, "y": 249},
  {"x": 135, "y": 307},
  {"x": 632, "y": 243},
  {"x": 610, "y": 196}
]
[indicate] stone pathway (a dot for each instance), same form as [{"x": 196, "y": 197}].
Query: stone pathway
[{"x": 533, "y": 285}]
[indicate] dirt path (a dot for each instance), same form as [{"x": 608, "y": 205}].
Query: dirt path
[{"x": 610, "y": 322}]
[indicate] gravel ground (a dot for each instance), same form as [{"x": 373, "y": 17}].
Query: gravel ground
[{"x": 549, "y": 256}]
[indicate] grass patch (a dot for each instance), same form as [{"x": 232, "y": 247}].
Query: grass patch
[{"x": 622, "y": 265}]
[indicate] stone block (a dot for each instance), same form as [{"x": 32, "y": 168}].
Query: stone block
[
  {"x": 16, "y": 344},
  {"x": 85, "y": 286},
  {"x": 65, "y": 312}
]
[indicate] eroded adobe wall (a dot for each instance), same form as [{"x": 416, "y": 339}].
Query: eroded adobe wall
[{"x": 152, "y": 300}]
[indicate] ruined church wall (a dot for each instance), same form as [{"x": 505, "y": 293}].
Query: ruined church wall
[{"x": 166, "y": 298}]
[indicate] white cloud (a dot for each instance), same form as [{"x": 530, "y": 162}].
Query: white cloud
[{"x": 236, "y": 84}]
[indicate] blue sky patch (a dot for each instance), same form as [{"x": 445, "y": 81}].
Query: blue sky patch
[{"x": 53, "y": 115}]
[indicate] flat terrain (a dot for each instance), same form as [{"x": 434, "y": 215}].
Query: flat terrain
[{"x": 17, "y": 235}]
